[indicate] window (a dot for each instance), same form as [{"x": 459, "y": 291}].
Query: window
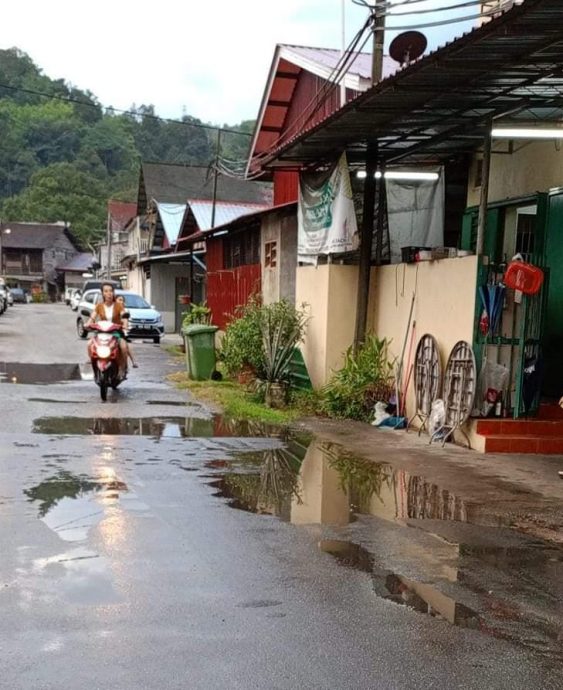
[
  {"x": 271, "y": 254},
  {"x": 242, "y": 249}
]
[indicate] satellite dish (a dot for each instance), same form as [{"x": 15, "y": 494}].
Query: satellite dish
[{"x": 407, "y": 47}]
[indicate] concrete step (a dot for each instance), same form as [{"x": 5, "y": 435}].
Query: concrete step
[
  {"x": 531, "y": 444},
  {"x": 520, "y": 427}
]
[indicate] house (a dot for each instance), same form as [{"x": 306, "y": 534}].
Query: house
[
  {"x": 119, "y": 215},
  {"x": 486, "y": 108},
  {"x": 73, "y": 271},
  {"x": 256, "y": 252},
  {"x": 250, "y": 255},
  {"x": 174, "y": 201},
  {"x": 32, "y": 254}
]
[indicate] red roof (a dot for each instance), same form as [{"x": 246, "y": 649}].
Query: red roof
[
  {"x": 120, "y": 213},
  {"x": 277, "y": 118}
]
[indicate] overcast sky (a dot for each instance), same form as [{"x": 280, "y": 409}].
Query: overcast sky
[{"x": 208, "y": 58}]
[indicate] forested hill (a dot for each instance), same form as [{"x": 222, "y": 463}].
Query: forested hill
[{"x": 62, "y": 155}]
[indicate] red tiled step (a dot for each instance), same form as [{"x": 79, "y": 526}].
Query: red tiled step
[
  {"x": 547, "y": 445},
  {"x": 520, "y": 427}
]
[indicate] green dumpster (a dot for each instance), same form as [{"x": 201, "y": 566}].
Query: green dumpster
[{"x": 200, "y": 350}]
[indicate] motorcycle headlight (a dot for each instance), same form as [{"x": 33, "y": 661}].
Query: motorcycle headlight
[{"x": 103, "y": 351}]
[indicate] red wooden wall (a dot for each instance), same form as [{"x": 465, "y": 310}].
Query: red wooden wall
[
  {"x": 230, "y": 288},
  {"x": 286, "y": 187}
]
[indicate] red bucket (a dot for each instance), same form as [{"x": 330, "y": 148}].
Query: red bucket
[{"x": 523, "y": 277}]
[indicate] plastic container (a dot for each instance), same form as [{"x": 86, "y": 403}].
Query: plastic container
[
  {"x": 200, "y": 351},
  {"x": 410, "y": 254},
  {"x": 523, "y": 277}
]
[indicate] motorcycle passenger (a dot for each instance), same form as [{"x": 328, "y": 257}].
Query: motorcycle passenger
[
  {"x": 111, "y": 310},
  {"x": 121, "y": 300}
]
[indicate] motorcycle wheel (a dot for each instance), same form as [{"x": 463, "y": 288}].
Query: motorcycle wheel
[{"x": 104, "y": 385}]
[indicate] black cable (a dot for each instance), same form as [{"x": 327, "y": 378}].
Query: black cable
[{"x": 69, "y": 99}]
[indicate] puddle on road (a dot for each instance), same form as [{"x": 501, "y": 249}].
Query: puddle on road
[
  {"x": 38, "y": 374},
  {"x": 157, "y": 427},
  {"x": 455, "y": 566},
  {"x": 418, "y": 596},
  {"x": 71, "y": 505},
  {"x": 80, "y": 576}
]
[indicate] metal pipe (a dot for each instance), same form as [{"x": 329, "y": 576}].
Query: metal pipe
[
  {"x": 366, "y": 239},
  {"x": 485, "y": 175}
]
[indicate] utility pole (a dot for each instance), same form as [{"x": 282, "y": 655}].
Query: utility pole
[
  {"x": 109, "y": 238},
  {"x": 378, "y": 28},
  {"x": 368, "y": 215},
  {"x": 343, "y": 81},
  {"x": 215, "y": 176}
]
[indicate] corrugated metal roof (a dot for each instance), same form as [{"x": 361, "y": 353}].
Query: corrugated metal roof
[
  {"x": 120, "y": 213},
  {"x": 443, "y": 104},
  {"x": 224, "y": 212},
  {"x": 329, "y": 57},
  {"x": 171, "y": 216},
  {"x": 170, "y": 183}
]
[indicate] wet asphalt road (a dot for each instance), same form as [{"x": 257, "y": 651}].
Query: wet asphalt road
[{"x": 125, "y": 562}]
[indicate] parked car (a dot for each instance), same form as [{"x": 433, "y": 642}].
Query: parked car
[
  {"x": 144, "y": 321},
  {"x": 96, "y": 284},
  {"x": 10, "y": 298},
  {"x": 19, "y": 295},
  {"x": 75, "y": 299},
  {"x": 3, "y": 298}
]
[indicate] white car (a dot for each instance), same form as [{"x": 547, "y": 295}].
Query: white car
[{"x": 75, "y": 298}]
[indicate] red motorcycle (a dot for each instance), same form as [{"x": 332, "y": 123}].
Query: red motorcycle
[{"x": 103, "y": 350}]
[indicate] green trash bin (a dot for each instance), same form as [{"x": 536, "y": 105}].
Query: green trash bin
[{"x": 200, "y": 350}]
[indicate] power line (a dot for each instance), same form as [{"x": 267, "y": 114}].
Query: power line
[{"x": 98, "y": 106}]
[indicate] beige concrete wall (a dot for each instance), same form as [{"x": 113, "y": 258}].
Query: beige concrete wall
[
  {"x": 312, "y": 289},
  {"x": 279, "y": 282},
  {"x": 270, "y": 232},
  {"x": 444, "y": 306},
  {"x": 535, "y": 167},
  {"x": 330, "y": 293}
]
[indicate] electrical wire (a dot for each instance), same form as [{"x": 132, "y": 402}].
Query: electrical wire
[{"x": 133, "y": 113}]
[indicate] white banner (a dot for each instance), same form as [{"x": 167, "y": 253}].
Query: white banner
[
  {"x": 416, "y": 215},
  {"x": 326, "y": 215}
]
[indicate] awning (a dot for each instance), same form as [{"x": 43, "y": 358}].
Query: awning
[{"x": 509, "y": 69}]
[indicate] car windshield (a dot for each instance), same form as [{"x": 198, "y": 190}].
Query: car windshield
[{"x": 136, "y": 302}]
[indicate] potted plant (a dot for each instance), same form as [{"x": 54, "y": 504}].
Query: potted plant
[{"x": 282, "y": 327}]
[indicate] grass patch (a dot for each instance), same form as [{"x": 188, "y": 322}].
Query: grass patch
[
  {"x": 234, "y": 400},
  {"x": 174, "y": 350}
]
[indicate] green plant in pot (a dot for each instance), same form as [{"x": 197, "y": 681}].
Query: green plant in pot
[{"x": 282, "y": 327}]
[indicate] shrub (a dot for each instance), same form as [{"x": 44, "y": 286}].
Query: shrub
[
  {"x": 197, "y": 313},
  {"x": 262, "y": 338},
  {"x": 365, "y": 378},
  {"x": 241, "y": 346}
]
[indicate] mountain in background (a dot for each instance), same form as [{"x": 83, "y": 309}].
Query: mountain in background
[{"x": 62, "y": 155}]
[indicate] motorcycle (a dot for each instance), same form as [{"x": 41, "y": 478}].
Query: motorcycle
[{"x": 103, "y": 350}]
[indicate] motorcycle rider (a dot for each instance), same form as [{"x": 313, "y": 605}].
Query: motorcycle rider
[{"x": 111, "y": 310}]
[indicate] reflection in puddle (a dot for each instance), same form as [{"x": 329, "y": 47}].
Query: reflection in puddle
[
  {"x": 159, "y": 427},
  {"x": 71, "y": 505},
  {"x": 421, "y": 597},
  {"x": 80, "y": 576},
  {"x": 456, "y": 566},
  {"x": 38, "y": 374}
]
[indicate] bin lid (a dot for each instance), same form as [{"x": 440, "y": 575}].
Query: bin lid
[{"x": 198, "y": 328}]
